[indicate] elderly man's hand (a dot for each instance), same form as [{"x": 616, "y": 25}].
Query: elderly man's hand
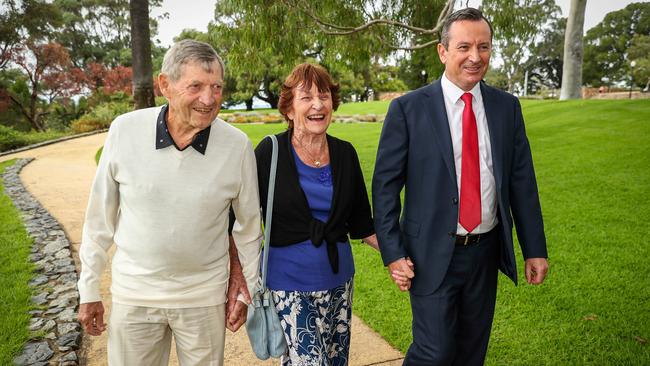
[
  {"x": 236, "y": 311},
  {"x": 237, "y": 316},
  {"x": 91, "y": 317}
]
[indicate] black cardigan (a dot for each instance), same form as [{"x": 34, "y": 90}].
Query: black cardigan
[{"x": 292, "y": 219}]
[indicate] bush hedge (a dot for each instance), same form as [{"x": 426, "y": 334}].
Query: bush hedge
[
  {"x": 100, "y": 117},
  {"x": 11, "y": 139}
]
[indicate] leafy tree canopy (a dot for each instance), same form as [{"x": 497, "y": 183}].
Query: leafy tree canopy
[
  {"x": 98, "y": 30},
  {"x": 607, "y": 44},
  {"x": 517, "y": 25},
  {"x": 545, "y": 63},
  {"x": 27, "y": 19},
  {"x": 263, "y": 40},
  {"x": 639, "y": 52}
]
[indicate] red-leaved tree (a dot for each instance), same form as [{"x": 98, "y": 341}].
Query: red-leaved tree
[
  {"x": 49, "y": 75},
  {"x": 109, "y": 81}
]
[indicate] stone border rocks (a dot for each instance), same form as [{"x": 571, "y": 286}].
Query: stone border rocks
[{"x": 54, "y": 326}]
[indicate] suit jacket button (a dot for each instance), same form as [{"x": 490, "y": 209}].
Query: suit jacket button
[{"x": 454, "y": 200}]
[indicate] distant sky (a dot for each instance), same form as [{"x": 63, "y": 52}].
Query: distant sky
[{"x": 196, "y": 14}]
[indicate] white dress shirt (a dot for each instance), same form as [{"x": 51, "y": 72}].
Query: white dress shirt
[{"x": 454, "y": 107}]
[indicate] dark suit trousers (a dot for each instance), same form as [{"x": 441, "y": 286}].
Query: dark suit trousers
[{"x": 452, "y": 325}]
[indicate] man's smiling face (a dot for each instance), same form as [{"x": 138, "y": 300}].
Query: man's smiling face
[
  {"x": 195, "y": 98},
  {"x": 467, "y": 56}
]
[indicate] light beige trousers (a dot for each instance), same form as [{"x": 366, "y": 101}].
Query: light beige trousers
[{"x": 142, "y": 335}]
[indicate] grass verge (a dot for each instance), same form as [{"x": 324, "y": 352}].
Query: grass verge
[{"x": 15, "y": 272}]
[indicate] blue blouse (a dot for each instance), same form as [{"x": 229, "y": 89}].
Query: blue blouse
[{"x": 303, "y": 266}]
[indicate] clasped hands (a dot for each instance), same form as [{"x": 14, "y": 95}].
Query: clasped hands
[{"x": 402, "y": 272}]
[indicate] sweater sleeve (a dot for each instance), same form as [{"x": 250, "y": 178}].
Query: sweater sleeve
[
  {"x": 360, "y": 222},
  {"x": 100, "y": 222},
  {"x": 247, "y": 230}
]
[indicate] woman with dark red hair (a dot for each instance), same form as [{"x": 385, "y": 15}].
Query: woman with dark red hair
[{"x": 320, "y": 199}]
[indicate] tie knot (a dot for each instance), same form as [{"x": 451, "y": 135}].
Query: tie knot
[{"x": 467, "y": 98}]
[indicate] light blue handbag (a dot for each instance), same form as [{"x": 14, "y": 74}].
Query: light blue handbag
[{"x": 263, "y": 325}]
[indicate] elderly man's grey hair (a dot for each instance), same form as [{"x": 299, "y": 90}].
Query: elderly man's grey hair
[{"x": 189, "y": 50}]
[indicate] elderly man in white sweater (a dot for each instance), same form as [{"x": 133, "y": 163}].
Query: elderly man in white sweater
[{"x": 162, "y": 193}]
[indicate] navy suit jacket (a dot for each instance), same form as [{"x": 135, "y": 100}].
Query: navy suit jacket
[{"x": 415, "y": 153}]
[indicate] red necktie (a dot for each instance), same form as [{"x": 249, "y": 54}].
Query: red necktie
[{"x": 470, "y": 175}]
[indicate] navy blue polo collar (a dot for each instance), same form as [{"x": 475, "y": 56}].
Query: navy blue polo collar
[{"x": 164, "y": 139}]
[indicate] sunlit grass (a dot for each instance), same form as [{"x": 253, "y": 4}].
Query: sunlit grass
[{"x": 15, "y": 273}]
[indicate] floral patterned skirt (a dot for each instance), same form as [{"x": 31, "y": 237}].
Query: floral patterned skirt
[{"x": 316, "y": 325}]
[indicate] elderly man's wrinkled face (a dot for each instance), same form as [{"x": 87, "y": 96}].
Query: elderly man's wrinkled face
[
  {"x": 195, "y": 98},
  {"x": 467, "y": 57}
]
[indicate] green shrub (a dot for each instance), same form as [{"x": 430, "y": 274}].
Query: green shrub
[
  {"x": 252, "y": 117},
  {"x": 34, "y": 137},
  {"x": 100, "y": 117},
  {"x": 10, "y": 138}
]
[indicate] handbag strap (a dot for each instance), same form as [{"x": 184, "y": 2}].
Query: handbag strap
[{"x": 269, "y": 208}]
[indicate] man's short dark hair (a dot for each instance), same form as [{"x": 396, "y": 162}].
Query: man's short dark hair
[{"x": 470, "y": 14}]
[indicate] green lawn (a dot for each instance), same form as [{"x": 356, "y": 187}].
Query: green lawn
[
  {"x": 15, "y": 272},
  {"x": 593, "y": 168},
  {"x": 374, "y": 107}
]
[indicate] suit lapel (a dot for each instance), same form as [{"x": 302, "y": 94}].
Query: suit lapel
[
  {"x": 434, "y": 103},
  {"x": 494, "y": 119}
]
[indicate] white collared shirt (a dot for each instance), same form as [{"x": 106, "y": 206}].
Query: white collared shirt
[{"x": 454, "y": 107}]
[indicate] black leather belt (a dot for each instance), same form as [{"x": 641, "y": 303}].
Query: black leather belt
[{"x": 465, "y": 240}]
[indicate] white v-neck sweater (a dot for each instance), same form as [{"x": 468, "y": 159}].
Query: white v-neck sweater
[{"x": 167, "y": 213}]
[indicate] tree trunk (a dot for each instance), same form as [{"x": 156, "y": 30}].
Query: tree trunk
[
  {"x": 273, "y": 100},
  {"x": 29, "y": 113},
  {"x": 572, "y": 68},
  {"x": 141, "y": 55},
  {"x": 34, "y": 116},
  {"x": 249, "y": 104}
]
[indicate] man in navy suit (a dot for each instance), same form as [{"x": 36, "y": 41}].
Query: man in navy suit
[{"x": 459, "y": 148}]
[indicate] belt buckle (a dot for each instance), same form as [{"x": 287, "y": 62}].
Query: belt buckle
[{"x": 466, "y": 239}]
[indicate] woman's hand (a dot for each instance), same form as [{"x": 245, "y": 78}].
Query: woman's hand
[{"x": 372, "y": 241}]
